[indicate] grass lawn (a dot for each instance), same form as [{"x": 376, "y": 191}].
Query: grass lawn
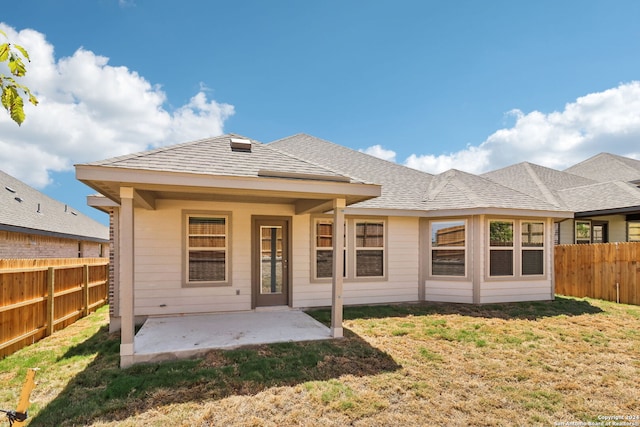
[{"x": 570, "y": 360}]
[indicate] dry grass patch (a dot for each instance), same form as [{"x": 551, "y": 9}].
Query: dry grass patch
[{"x": 426, "y": 364}]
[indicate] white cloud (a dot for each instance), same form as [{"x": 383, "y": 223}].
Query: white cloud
[
  {"x": 381, "y": 153},
  {"x": 606, "y": 121},
  {"x": 90, "y": 110}
]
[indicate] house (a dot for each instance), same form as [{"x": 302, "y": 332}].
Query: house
[
  {"x": 230, "y": 224},
  {"x": 619, "y": 223},
  {"x": 602, "y": 192},
  {"x": 33, "y": 225}
]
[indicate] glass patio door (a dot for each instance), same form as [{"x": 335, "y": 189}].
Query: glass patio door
[{"x": 270, "y": 263}]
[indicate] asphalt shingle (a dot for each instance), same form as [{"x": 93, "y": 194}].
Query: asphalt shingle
[{"x": 26, "y": 208}]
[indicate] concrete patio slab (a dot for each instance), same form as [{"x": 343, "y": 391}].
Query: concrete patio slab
[{"x": 167, "y": 338}]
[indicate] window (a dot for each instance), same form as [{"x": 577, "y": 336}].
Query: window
[
  {"x": 583, "y": 232},
  {"x": 532, "y": 248},
  {"x": 207, "y": 249},
  {"x": 448, "y": 248},
  {"x": 369, "y": 249},
  {"x": 501, "y": 248},
  {"x": 364, "y": 250},
  {"x": 324, "y": 249},
  {"x": 633, "y": 231}
]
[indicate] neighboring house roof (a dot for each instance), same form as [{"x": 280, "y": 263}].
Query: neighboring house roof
[
  {"x": 407, "y": 188},
  {"x": 605, "y": 167},
  {"x": 26, "y": 210},
  {"x": 566, "y": 190}
]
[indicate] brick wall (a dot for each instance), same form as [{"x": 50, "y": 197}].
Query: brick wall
[{"x": 18, "y": 245}]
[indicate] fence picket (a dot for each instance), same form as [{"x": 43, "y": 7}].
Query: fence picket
[
  {"x": 40, "y": 296},
  {"x": 605, "y": 271}
]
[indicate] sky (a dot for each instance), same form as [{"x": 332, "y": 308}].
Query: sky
[{"x": 434, "y": 85}]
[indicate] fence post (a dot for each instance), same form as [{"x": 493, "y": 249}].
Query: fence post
[
  {"x": 85, "y": 290},
  {"x": 50, "y": 299}
]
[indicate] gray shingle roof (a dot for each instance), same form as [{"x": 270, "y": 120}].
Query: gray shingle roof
[
  {"x": 23, "y": 208},
  {"x": 567, "y": 190},
  {"x": 406, "y": 188},
  {"x": 605, "y": 167},
  {"x": 214, "y": 156},
  {"x": 402, "y": 187},
  {"x": 455, "y": 189}
]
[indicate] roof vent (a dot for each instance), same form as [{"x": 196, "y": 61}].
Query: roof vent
[
  {"x": 18, "y": 199},
  {"x": 239, "y": 144}
]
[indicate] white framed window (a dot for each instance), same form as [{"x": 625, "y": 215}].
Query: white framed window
[
  {"x": 364, "y": 248},
  {"x": 448, "y": 248},
  {"x": 501, "y": 248},
  {"x": 369, "y": 248},
  {"x": 206, "y": 249},
  {"x": 532, "y": 248}
]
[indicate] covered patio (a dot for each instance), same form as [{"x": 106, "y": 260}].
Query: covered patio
[{"x": 177, "y": 337}]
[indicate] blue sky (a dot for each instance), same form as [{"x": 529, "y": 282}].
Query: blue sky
[{"x": 472, "y": 85}]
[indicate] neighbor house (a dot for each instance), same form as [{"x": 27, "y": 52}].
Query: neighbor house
[
  {"x": 602, "y": 192},
  {"x": 230, "y": 224},
  {"x": 33, "y": 225}
]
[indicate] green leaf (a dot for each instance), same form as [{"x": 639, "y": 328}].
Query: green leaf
[
  {"x": 13, "y": 103},
  {"x": 23, "y": 51},
  {"x": 4, "y": 52},
  {"x": 16, "y": 66},
  {"x": 17, "y": 110}
]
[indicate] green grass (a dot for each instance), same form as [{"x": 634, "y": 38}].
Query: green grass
[{"x": 498, "y": 364}]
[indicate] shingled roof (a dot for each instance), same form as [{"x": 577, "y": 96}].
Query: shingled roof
[
  {"x": 407, "y": 188},
  {"x": 402, "y": 187},
  {"x": 567, "y": 190},
  {"x": 605, "y": 167},
  {"x": 26, "y": 210},
  {"x": 213, "y": 156}
]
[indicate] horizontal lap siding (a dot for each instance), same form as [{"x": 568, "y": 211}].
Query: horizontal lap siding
[
  {"x": 449, "y": 291},
  {"x": 514, "y": 291},
  {"x": 158, "y": 252},
  {"x": 402, "y": 278}
]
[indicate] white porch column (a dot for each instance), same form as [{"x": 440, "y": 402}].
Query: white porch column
[
  {"x": 338, "y": 267},
  {"x": 126, "y": 264}
]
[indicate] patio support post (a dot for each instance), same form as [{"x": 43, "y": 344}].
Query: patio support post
[
  {"x": 338, "y": 267},
  {"x": 126, "y": 264}
]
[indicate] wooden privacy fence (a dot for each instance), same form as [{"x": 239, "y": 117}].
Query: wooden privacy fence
[
  {"x": 608, "y": 271},
  {"x": 40, "y": 296}
]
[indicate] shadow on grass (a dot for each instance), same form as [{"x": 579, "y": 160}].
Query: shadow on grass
[
  {"x": 104, "y": 392},
  {"x": 561, "y": 306}
]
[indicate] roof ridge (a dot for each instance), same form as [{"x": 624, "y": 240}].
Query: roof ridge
[
  {"x": 546, "y": 192},
  {"x": 284, "y": 153}
]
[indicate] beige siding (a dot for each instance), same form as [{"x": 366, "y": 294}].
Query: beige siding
[
  {"x": 449, "y": 291},
  {"x": 402, "y": 275},
  {"x": 617, "y": 228},
  {"x": 158, "y": 253},
  {"x": 513, "y": 291},
  {"x": 521, "y": 288}
]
